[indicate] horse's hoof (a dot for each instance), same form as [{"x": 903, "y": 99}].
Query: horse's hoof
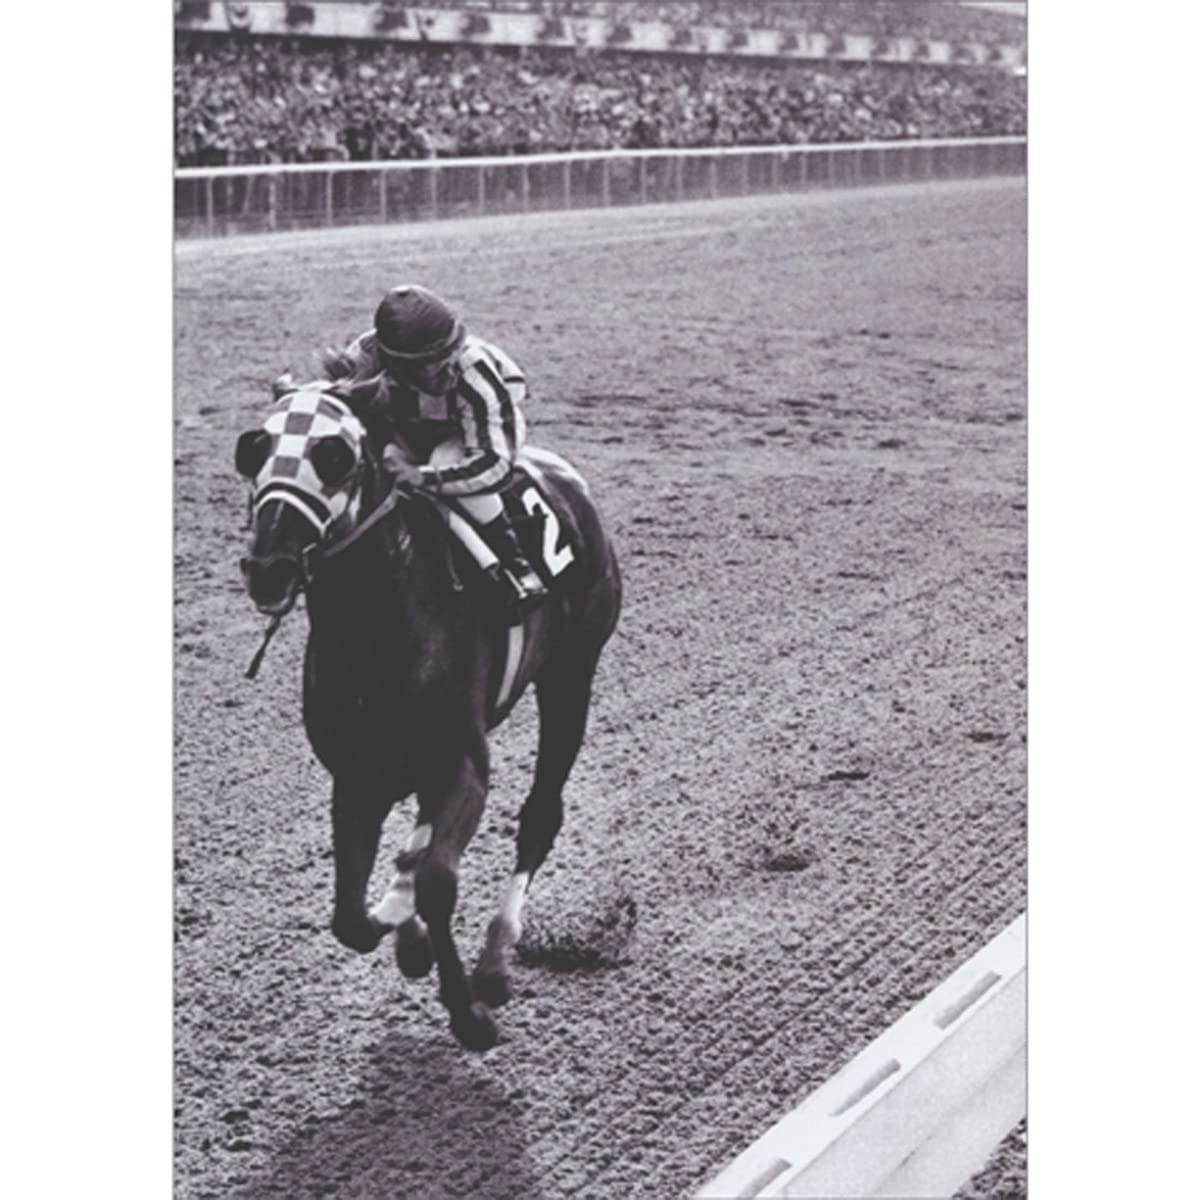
[
  {"x": 491, "y": 986},
  {"x": 475, "y": 1027},
  {"x": 362, "y": 934},
  {"x": 414, "y": 954}
]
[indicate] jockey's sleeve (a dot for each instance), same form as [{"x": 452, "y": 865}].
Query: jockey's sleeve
[
  {"x": 357, "y": 362},
  {"x": 493, "y": 429}
]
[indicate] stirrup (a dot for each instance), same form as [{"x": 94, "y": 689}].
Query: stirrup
[
  {"x": 525, "y": 591},
  {"x": 527, "y": 583}
]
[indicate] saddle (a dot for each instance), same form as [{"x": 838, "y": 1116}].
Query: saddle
[{"x": 548, "y": 540}]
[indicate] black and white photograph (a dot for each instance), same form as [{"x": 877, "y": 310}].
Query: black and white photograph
[
  {"x": 599, "y": 599},
  {"x": 599, "y": 509}
]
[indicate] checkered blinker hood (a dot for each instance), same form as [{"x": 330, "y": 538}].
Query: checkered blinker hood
[{"x": 297, "y": 423}]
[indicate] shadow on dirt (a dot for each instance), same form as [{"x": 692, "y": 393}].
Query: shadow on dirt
[{"x": 423, "y": 1106}]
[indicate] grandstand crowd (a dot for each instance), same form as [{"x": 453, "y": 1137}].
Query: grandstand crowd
[{"x": 248, "y": 100}]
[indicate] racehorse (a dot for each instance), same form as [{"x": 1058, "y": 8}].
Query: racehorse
[{"x": 406, "y": 669}]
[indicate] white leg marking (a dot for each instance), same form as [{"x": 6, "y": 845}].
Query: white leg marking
[
  {"x": 514, "y": 901},
  {"x": 398, "y": 904},
  {"x": 420, "y": 837}
]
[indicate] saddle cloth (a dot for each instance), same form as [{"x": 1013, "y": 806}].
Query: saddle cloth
[{"x": 547, "y": 537}]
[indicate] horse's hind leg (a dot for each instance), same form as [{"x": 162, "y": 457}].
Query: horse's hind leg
[
  {"x": 358, "y": 814},
  {"x": 458, "y": 803},
  {"x": 563, "y": 695}
]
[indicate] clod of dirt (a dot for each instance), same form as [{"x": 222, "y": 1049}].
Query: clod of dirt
[
  {"x": 790, "y": 860},
  {"x": 594, "y": 941}
]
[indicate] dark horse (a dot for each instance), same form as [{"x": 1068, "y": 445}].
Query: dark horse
[{"x": 406, "y": 670}]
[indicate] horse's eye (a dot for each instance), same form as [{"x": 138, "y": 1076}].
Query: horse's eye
[
  {"x": 252, "y": 450},
  {"x": 332, "y": 459}
]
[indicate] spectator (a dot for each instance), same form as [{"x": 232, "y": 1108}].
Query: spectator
[{"x": 241, "y": 101}]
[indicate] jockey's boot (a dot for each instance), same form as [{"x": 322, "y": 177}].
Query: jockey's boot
[{"x": 526, "y": 586}]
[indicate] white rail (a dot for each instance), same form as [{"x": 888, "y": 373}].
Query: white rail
[
  {"x": 917, "y": 1113},
  {"x": 521, "y": 160},
  {"x": 265, "y": 196}
]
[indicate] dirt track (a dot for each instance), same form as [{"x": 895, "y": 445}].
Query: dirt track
[{"x": 805, "y": 420}]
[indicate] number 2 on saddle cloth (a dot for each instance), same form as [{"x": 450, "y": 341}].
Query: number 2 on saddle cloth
[
  {"x": 544, "y": 540},
  {"x": 537, "y": 526}
]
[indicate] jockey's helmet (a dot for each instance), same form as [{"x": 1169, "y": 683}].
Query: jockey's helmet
[{"x": 419, "y": 337}]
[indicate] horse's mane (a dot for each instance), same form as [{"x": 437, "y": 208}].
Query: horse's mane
[{"x": 367, "y": 399}]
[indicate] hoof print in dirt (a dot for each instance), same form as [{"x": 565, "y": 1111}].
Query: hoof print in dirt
[
  {"x": 790, "y": 860},
  {"x": 595, "y": 941}
]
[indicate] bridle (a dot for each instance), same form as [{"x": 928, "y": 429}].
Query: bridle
[
  {"x": 314, "y": 556},
  {"x": 320, "y": 553}
]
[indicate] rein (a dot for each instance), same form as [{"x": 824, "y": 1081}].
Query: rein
[
  {"x": 256, "y": 661},
  {"x": 314, "y": 557},
  {"x": 317, "y": 554}
]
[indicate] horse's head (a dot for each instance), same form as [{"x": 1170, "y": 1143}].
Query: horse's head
[{"x": 306, "y": 466}]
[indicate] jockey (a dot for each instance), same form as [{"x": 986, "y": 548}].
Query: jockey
[{"x": 454, "y": 401}]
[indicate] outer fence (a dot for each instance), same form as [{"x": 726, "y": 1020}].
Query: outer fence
[{"x": 219, "y": 200}]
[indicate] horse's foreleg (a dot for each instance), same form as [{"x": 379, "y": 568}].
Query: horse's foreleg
[
  {"x": 397, "y": 907},
  {"x": 563, "y": 699},
  {"x": 358, "y": 814},
  {"x": 458, "y": 803}
]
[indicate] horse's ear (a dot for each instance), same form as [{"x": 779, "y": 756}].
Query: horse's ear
[
  {"x": 252, "y": 450},
  {"x": 332, "y": 459}
]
